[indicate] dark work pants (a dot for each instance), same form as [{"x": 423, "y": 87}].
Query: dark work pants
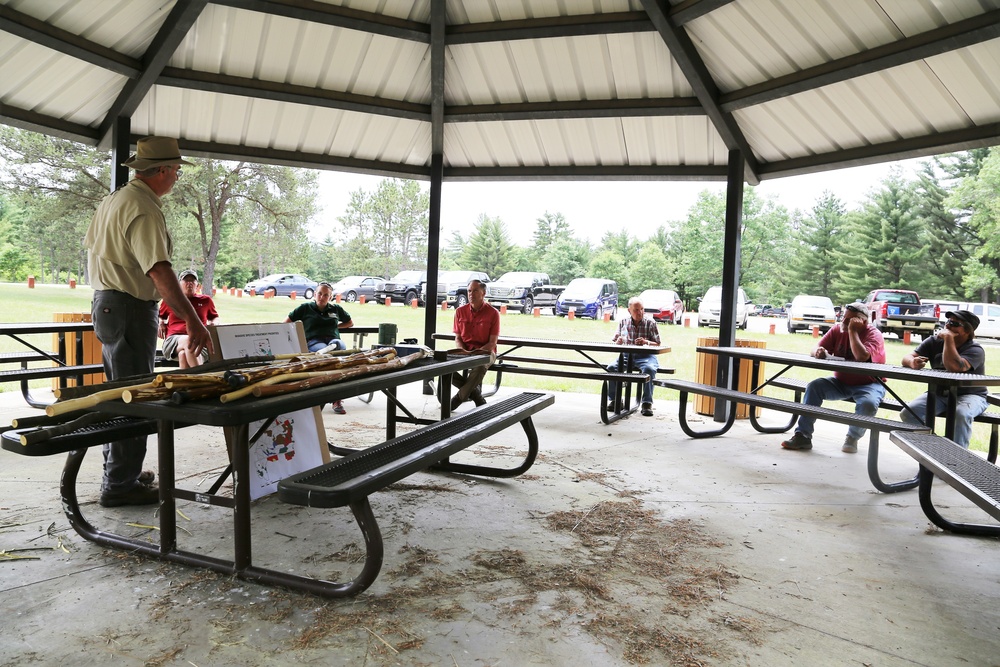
[{"x": 126, "y": 327}]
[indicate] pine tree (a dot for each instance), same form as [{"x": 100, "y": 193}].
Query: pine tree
[{"x": 817, "y": 241}]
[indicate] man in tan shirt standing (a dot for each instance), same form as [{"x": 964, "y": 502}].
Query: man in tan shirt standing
[{"x": 128, "y": 257}]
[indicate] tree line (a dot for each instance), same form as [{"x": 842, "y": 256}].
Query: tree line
[{"x": 936, "y": 233}]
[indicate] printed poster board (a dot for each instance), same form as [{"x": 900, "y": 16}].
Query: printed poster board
[{"x": 292, "y": 442}]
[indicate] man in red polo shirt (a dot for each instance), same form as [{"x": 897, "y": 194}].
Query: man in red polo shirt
[{"x": 477, "y": 328}]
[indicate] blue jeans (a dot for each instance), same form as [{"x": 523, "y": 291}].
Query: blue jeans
[
  {"x": 317, "y": 344},
  {"x": 645, "y": 363},
  {"x": 865, "y": 396},
  {"x": 969, "y": 407},
  {"x": 126, "y": 327}
]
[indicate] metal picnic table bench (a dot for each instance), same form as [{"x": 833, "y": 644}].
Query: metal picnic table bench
[
  {"x": 587, "y": 368},
  {"x": 344, "y": 482}
]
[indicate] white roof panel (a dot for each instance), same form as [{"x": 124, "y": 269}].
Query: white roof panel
[{"x": 357, "y": 85}]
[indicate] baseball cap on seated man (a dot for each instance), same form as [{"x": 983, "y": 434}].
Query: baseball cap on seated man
[
  {"x": 965, "y": 316},
  {"x": 858, "y": 307},
  {"x": 187, "y": 272}
]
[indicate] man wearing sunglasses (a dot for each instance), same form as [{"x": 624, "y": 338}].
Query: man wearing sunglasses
[
  {"x": 954, "y": 349},
  {"x": 854, "y": 339}
]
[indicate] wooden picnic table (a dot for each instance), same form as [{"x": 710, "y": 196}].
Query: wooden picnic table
[{"x": 539, "y": 363}]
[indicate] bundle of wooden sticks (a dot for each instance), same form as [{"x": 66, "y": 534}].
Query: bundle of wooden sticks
[{"x": 284, "y": 375}]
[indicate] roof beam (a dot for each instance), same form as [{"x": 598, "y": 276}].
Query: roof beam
[
  {"x": 689, "y": 10},
  {"x": 549, "y": 27},
  {"x": 947, "y": 38},
  {"x": 622, "y": 108},
  {"x": 693, "y": 67},
  {"x": 50, "y": 125},
  {"x": 340, "y": 17},
  {"x": 903, "y": 149},
  {"x": 57, "y": 39},
  {"x": 175, "y": 27},
  {"x": 286, "y": 92},
  {"x": 299, "y": 159},
  {"x": 588, "y": 173}
]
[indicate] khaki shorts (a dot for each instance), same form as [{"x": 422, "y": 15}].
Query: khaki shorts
[{"x": 170, "y": 348}]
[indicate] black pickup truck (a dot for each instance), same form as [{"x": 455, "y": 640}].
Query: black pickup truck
[
  {"x": 524, "y": 291},
  {"x": 898, "y": 311}
]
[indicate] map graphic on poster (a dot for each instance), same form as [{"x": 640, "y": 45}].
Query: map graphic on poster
[{"x": 288, "y": 443}]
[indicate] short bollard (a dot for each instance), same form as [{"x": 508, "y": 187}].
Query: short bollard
[
  {"x": 253, "y": 292},
  {"x": 292, "y": 295},
  {"x": 31, "y": 282},
  {"x": 336, "y": 299},
  {"x": 444, "y": 305},
  {"x": 607, "y": 317},
  {"x": 770, "y": 329},
  {"x": 572, "y": 313},
  {"x": 536, "y": 312},
  {"x": 215, "y": 290},
  {"x": 239, "y": 294},
  {"x": 414, "y": 303},
  {"x": 361, "y": 299},
  {"x": 72, "y": 283},
  {"x": 687, "y": 321},
  {"x": 815, "y": 331},
  {"x": 388, "y": 300},
  {"x": 906, "y": 338},
  {"x": 503, "y": 309}
]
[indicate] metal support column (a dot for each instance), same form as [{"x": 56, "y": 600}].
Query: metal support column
[
  {"x": 121, "y": 146},
  {"x": 437, "y": 170},
  {"x": 730, "y": 276}
]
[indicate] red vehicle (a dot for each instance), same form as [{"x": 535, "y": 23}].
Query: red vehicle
[
  {"x": 898, "y": 311},
  {"x": 663, "y": 305}
]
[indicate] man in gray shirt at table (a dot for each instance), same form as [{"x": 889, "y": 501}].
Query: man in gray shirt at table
[
  {"x": 855, "y": 339},
  {"x": 954, "y": 349}
]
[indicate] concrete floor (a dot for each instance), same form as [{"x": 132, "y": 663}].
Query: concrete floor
[{"x": 625, "y": 544}]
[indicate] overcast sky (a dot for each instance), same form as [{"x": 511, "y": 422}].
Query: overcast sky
[{"x": 591, "y": 208}]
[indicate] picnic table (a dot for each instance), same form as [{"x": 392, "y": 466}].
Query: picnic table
[
  {"x": 784, "y": 361},
  {"x": 357, "y": 475},
  {"x": 69, "y": 336},
  {"x": 537, "y": 360}
]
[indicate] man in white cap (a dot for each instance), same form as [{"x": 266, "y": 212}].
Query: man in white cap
[
  {"x": 128, "y": 258},
  {"x": 855, "y": 339},
  {"x": 954, "y": 349}
]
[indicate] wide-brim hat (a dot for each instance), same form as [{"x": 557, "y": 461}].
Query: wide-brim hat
[
  {"x": 155, "y": 152},
  {"x": 966, "y": 316}
]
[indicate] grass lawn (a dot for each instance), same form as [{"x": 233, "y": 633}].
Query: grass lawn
[{"x": 21, "y": 304}]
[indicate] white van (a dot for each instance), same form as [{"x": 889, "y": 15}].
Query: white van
[
  {"x": 710, "y": 308},
  {"x": 988, "y": 314}
]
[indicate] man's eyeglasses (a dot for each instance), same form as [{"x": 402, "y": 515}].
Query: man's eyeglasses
[{"x": 954, "y": 324}]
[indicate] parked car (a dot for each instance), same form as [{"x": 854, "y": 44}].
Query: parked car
[
  {"x": 453, "y": 286},
  {"x": 989, "y": 317},
  {"x": 282, "y": 284},
  {"x": 808, "y": 311},
  {"x": 759, "y": 310},
  {"x": 524, "y": 291},
  {"x": 405, "y": 286},
  {"x": 710, "y": 308},
  {"x": 591, "y": 297},
  {"x": 351, "y": 288},
  {"x": 898, "y": 311},
  {"x": 938, "y": 308},
  {"x": 775, "y": 311},
  {"x": 663, "y": 305}
]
